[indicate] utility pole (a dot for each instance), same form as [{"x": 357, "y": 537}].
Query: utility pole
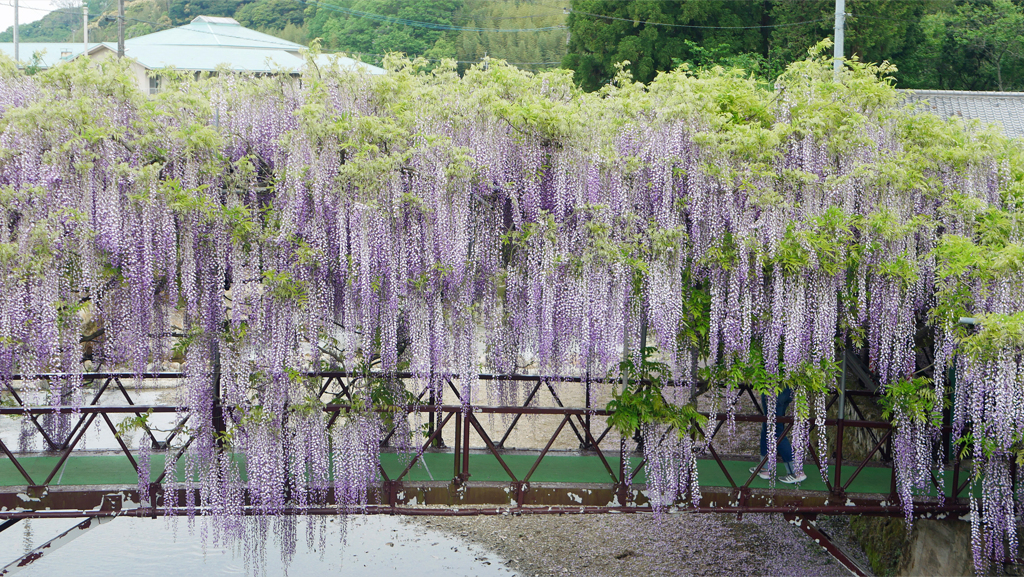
[
  {"x": 16, "y": 59},
  {"x": 837, "y": 63},
  {"x": 120, "y": 28},
  {"x": 85, "y": 26},
  {"x": 568, "y": 34}
]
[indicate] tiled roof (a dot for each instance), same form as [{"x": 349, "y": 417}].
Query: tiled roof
[{"x": 1003, "y": 108}]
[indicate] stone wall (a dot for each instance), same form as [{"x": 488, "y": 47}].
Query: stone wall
[
  {"x": 938, "y": 548},
  {"x": 933, "y": 548}
]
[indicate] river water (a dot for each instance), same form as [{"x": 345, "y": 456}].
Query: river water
[
  {"x": 374, "y": 545},
  {"x": 128, "y": 547}
]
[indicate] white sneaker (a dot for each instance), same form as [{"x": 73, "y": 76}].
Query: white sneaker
[
  {"x": 763, "y": 473},
  {"x": 794, "y": 478}
]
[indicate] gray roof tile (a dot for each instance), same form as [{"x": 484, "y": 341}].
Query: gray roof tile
[{"x": 1003, "y": 108}]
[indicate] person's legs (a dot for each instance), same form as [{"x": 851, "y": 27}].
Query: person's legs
[
  {"x": 785, "y": 448},
  {"x": 764, "y": 473}
]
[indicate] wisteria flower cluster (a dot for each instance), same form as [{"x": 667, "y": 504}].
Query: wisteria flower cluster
[{"x": 502, "y": 221}]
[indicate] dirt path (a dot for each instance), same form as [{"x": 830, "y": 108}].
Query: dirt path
[{"x": 644, "y": 546}]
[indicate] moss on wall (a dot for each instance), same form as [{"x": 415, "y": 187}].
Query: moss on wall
[{"x": 884, "y": 541}]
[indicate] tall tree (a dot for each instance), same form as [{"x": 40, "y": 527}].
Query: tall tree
[
  {"x": 271, "y": 14},
  {"x": 532, "y": 50},
  {"x": 183, "y": 11},
  {"x": 876, "y": 31},
  {"x": 977, "y": 45},
  {"x": 654, "y": 36},
  {"x": 354, "y": 32},
  {"x": 142, "y": 17},
  {"x": 62, "y": 25},
  {"x": 68, "y": 12}
]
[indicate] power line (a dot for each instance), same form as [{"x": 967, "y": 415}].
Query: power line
[
  {"x": 23, "y": 6},
  {"x": 75, "y": 11},
  {"x": 648, "y": 23},
  {"x": 291, "y": 45},
  {"x": 448, "y": 27},
  {"x": 381, "y": 57},
  {"x": 452, "y": 28},
  {"x": 101, "y": 17},
  {"x": 418, "y": 23},
  {"x": 523, "y": 17},
  {"x": 282, "y": 42},
  {"x": 11, "y": 4}
]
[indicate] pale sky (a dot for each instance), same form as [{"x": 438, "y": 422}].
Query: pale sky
[{"x": 28, "y": 11}]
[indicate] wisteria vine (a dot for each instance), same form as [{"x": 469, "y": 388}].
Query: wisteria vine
[{"x": 261, "y": 228}]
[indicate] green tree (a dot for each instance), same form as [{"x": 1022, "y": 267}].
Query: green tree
[
  {"x": 977, "y": 45},
  {"x": 141, "y": 18},
  {"x": 597, "y": 42},
  {"x": 876, "y": 31},
  {"x": 951, "y": 44},
  {"x": 291, "y": 33},
  {"x": 56, "y": 26},
  {"x": 533, "y": 50},
  {"x": 346, "y": 31},
  {"x": 183, "y": 11},
  {"x": 271, "y": 14}
]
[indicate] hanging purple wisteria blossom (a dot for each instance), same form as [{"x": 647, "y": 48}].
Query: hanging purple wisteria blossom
[{"x": 261, "y": 229}]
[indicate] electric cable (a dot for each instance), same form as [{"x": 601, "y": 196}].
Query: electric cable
[
  {"x": 649, "y": 23},
  {"x": 418, "y": 23}
]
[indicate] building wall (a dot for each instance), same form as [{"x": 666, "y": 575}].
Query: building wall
[{"x": 140, "y": 73}]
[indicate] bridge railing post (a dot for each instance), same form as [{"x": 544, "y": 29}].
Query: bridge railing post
[
  {"x": 623, "y": 492},
  {"x": 586, "y": 442},
  {"x": 466, "y": 414},
  {"x": 457, "y": 452},
  {"x": 837, "y": 485},
  {"x": 430, "y": 416}
]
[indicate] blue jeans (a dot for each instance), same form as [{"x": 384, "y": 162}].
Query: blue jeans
[{"x": 784, "y": 447}]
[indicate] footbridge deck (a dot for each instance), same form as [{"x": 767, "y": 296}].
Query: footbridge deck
[
  {"x": 540, "y": 456},
  {"x": 470, "y": 460}
]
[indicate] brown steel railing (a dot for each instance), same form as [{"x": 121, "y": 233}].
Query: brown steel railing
[{"x": 586, "y": 424}]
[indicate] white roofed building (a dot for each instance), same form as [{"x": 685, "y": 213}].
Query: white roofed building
[
  {"x": 44, "y": 55},
  {"x": 208, "y": 44}
]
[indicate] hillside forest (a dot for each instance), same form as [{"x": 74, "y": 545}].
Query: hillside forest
[{"x": 934, "y": 44}]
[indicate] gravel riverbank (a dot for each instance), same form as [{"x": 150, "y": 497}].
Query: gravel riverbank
[{"x": 643, "y": 545}]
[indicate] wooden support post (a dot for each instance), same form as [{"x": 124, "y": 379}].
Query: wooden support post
[
  {"x": 837, "y": 485},
  {"x": 458, "y": 449},
  {"x": 465, "y": 445}
]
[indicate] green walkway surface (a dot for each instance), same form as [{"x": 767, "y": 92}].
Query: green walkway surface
[
  {"x": 116, "y": 470},
  {"x": 589, "y": 469}
]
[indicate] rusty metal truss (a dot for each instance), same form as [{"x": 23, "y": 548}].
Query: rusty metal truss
[
  {"x": 39, "y": 496},
  {"x": 460, "y": 494}
]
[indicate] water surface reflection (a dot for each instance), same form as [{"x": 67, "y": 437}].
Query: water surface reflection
[{"x": 128, "y": 547}]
